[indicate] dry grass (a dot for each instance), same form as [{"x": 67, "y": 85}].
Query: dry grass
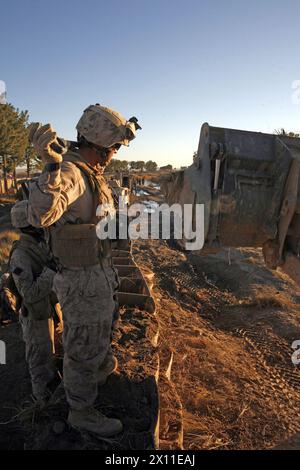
[
  {"x": 216, "y": 380},
  {"x": 8, "y": 198},
  {"x": 224, "y": 407},
  {"x": 7, "y": 233},
  {"x": 7, "y": 237},
  {"x": 230, "y": 398},
  {"x": 268, "y": 297}
]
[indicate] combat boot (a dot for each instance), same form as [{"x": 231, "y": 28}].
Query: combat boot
[
  {"x": 109, "y": 367},
  {"x": 90, "y": 419}
]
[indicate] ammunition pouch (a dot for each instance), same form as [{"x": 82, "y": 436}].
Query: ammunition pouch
[{"x": 77, "y": 246}]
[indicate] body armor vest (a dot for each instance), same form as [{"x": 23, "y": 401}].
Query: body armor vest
[{"x": 77, "y": 245}]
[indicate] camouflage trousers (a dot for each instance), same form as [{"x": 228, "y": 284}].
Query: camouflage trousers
[
  {"x": 39, "y": 345},
  {"x": 88, "y": 302}
]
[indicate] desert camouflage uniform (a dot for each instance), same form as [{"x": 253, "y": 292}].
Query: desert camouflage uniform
[
  {"x": 34, "y": 283},
  {"x": 86, "y": 295}
]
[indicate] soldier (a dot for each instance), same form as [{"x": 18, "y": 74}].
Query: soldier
[
  {"x": 65, "y": 199},
  {"x": 28, "y": 264}
]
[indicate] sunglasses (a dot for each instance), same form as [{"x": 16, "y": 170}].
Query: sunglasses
[
  {"x": 100, "y": 149},
  {"x": 117, "y": 146}
]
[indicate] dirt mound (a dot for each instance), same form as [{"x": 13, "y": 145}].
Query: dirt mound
[{"x": 230, "y": 324}]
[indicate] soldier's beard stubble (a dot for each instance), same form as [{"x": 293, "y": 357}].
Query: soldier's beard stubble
[{"x": 105, "y": 157}]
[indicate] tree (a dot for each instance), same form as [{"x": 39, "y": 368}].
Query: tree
[
  {"x": 32, "y": 160},
  {"x": 140, "y": 165},
  {"x": 166, "y": 167},
  {"x": 124, "y": 165},
  {"x": 116, "y": 165},
  {"x": 133, "y": 165},
  {"x": 151, "y": 166},
  {"x": 13, "y": 138}
]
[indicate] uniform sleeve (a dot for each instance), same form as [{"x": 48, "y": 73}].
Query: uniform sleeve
[
  {"x": 31, "y": 289},
  {"x": 57, "y": 188}
]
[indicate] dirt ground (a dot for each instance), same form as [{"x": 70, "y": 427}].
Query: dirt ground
[
  {"x": 230, "y": 323},
  {"x": 129, "y": 394}
]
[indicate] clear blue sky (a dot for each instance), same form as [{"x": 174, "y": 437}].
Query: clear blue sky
[{"x": 173, "y": 64}]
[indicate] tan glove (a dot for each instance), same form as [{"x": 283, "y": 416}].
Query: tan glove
[{"x": 44, "y": 140}]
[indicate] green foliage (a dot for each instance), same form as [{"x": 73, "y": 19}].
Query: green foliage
[
  {"x": 32, "y": 161},
  {"x": 13, "y": 134},
  {"x": 133, "y": 165},
  {"x": 151, "y": 166},
  {"x": 140, "y": 165},
  {"x": 166, "y": 167},
  {"x": 124, "y": 165},
  {"x": 137, "y": 165},
  {"x": 117, "y": 165}
]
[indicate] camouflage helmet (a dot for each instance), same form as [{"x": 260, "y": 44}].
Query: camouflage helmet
[
  {"x": 104, "y": 127},
  {"x": 19, "y": 214}
]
